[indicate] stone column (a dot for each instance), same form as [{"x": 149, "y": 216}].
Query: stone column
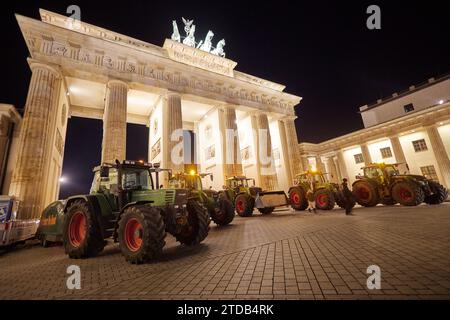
[
  {"x": 341, "y": 164},
  {"x": 333, "y": 174},
  {"x": 267, "y": 171},
  {"x": 319, "y": 164},
  {"x": 286, "y": 151},
  {"x": 173, "y": 157},
  {"x": 440, "y": 154},
  {"x": 366, "y": 154},
  {"x": 398, "y": 150},
  {"x": 305, "y": 163},
  {"x": 34, "y": 141},
  {"x": 115, "y": 122},
  {"x": 231, "y": 152},
  {"x": 292, "y": 143},
  {"x": 338, "y": 170}
]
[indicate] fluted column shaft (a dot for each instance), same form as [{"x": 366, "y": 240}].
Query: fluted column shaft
[
  {"x": 34, "y": 142},
  {"x": 333, "y": 174},
  {"x": 305, "y": 163},
  {"x": 440, "y": 154},
  {"x": 319, "y": 164},
  {"x": 341, "y": 164},
  {"x": 293, "y": 152},
  {"x": 285, "y": 151},
  {"x": 172, "y": 132},
  {"x": 231, "y": 151},
  {"x": 366, "y": 154},
  {"x": 115, "y": 122},
  {"x": 267, "y": 171},
  {"x": 398, "y": 150}
]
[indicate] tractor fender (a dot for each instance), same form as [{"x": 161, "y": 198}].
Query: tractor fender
[
  {"x": 93, "y": 204},
  {"x": 299, "y": 186}
]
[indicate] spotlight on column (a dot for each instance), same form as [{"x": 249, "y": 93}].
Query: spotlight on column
[
  {"x": 441, "y": 101},
  {"x": 62, "y": 179}
]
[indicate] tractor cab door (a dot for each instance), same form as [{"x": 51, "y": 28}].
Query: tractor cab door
[
  {"x": 106, "y": 182},
  {"x": 375, "y": 173}
]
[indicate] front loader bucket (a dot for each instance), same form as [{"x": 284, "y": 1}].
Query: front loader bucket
[{"x": 270, "y": 199}]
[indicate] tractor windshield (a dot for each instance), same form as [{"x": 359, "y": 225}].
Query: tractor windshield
[
  {"x": 391, "y": 171},
  {"x": 239, "y": 183},
  {"x": 136, "y": 178},
  {"x": 193, "y": 182}
]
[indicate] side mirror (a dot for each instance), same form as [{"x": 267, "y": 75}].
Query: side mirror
[{"x": 104, "y": 172}]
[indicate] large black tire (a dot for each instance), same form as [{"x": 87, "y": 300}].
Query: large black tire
[
  {"x": 244, "y": 205},
  {"x": 388, "y": 201},
  {"x": 440, "y": 193},
  {"x": 198, "y": 224},
  {"x": 324, "y": 199},
  {"x": 365, "y": 193},
  {"x": 81, "y": 233},
  {"x": 267, "y": 210},
  {"x": 408, "y": 193},
  {"x": 223, "y": 214},
  {"x": 141, "y": 233},
  {"x": 297, "y": 197}
]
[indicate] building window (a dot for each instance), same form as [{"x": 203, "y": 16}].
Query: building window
[
  {"x": 359, "y": 158},
  {"x": 386, "y": 152},
  {"x": 430, "y": 173},
  {"x": 420, "y": 145},
  {"x": 409, "y": 107}
]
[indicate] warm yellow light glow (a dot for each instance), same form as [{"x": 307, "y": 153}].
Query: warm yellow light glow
[
  {"x": 192, "y": 172},
  {"x": 314, "y": 169},
  {"x": 141, "y": 161}
]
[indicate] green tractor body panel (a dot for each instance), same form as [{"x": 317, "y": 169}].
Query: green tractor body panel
[
  {"x": 51, "y": 222},
  {"x": 390, "y": 183}
]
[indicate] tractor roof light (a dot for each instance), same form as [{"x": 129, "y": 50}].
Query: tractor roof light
[{"x": 192, "y": 172}]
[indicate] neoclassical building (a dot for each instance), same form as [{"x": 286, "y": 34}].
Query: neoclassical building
[
  {"x": 81, "y": 70},
  {"x": 410, "y": 127}
]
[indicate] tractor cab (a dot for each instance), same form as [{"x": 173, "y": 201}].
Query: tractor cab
[
  {"x": 383, "y": 173},
  {"x": 240, "y": 183},
  {"x": 317, "y": 178}
]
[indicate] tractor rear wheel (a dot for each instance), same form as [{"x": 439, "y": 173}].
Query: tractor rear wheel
[
  {"x": 81, "y": 233},
  {"x": 324, "y": 199},
  {"x": 223, "y": 214},
  {"x": 244, "y": 205},
  {"x": 141, "y": 233},
  {"x": 197, "y": 227},
  {"x": 440, "y": 194},
  {"x": 297, "y": 196},
  {"x": 267, "y": 210},
  {"x": 365, "y": 193},
  {"x": 407, "y": 193}
]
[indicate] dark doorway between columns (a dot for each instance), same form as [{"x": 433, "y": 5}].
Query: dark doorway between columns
[{"x": 190, "y": 155}]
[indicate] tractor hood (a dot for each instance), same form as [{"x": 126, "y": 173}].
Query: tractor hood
[
  {"x": 161, "y": 197},
  {"x": 411, "y": 176}
]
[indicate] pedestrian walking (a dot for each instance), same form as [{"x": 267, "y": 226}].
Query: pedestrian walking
[{"x": 348, "y": 197}]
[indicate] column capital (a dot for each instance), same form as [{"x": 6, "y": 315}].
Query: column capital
[
  {"x": 36, "y": 64},
  {"x": 116, "y": 82},
  {"x": 170, "y": 94},
  {"x": 288, "y": 118}
]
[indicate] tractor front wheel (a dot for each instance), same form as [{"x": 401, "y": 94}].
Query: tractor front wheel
[
  {"x": 365, "y": 193},
  {"x": 408, "y": 194},
  {"x": 439, "y": 195},
  {"x": 141, "y": 233},
  {"x": 244, "y": 205},
  {"x": 223, "y": 214},
  {"x": 297, "y": 196},
  {"x": 81, "y": 233},
  {"x": 197, "y": 227},
  {"x": 324, "y": 199}
]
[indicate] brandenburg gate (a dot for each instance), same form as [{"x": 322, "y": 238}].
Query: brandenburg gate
[{"x": 241, "y": 124}]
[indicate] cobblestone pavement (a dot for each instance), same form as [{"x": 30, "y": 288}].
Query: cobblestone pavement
[{"x": 286, "y": 255}]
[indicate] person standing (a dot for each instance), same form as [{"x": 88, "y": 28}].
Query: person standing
[
  {"x": 310, "y": 198},
  {"x": 348, "y": 197}
]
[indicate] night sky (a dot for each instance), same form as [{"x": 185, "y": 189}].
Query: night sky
[{"x": 321, "y": 50}]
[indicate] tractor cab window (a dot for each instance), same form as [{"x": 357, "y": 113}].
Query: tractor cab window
[
  {"x": 391, "y": 171},
  {"x": 177, "y": 184},
  {"x": 317, "y": 178},
  {"x": 136, "y": 179},
  {"x": 238, "y": 183},
  {"x": 101, "y": 184},
  {"x": 373, "y": 173},
  {"x": 193, "y": 182}
]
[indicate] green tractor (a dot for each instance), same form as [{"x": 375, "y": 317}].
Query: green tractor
[
  {"x": 126, "y": 203},
  {"x": 390, "y": 184},
  {"x": 219, "y": 207},
  {"x": 246, "y": 196},
  {"x": 326, "y": 194}
]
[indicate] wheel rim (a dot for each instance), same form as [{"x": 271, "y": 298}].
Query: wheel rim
[
  {"x": 240, "y": 206},
  {"x": 405, "y": 194},
  {"x": 133, "y": 235},
  {"x": 363, "y": 193},
  {"x": 77, "y": 229},
  {"x": 322, "y": 200},
  {"x": 295, "y": 197}
]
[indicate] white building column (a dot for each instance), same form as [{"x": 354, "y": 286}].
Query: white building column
[
  {"x": 35, "y": 142},
  {"x": 319, "y": 164},
  {"x": 115, "y": 122},
  {"x": 366, "y": 154},
  {"x": 268, "y": 177},
  {"x": 172, "y": 133},
  {"x": 286, "y": 151},
  {"x": 305, "y": 162},
  {"x": 232, "y": 165},
  {"x": 292, "y": 146},
  {"x": 440, "y": 153},
  {"x": 341, "y": 164},
  {"x": 398, "y": 150},
  {"x": 333, "y": 174}
]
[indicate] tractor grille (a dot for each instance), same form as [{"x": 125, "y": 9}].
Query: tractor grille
[
  {"x": 181, "y": 196},
  {"x": 170, "y": 196}
]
